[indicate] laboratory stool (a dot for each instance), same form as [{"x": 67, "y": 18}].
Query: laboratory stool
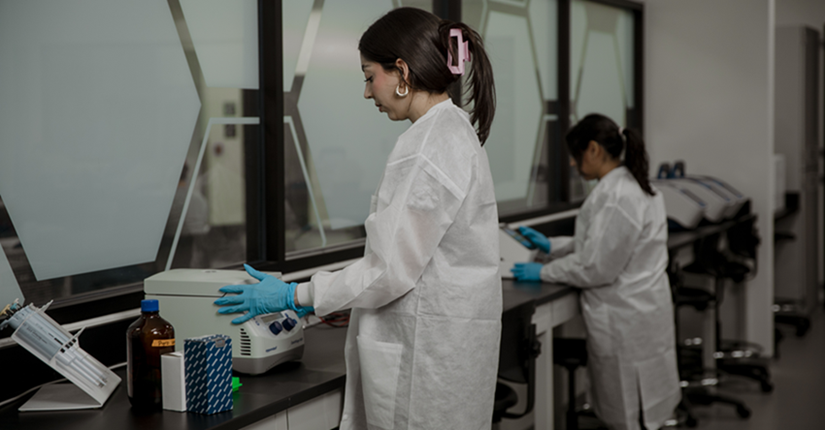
[
  {"x": 733, "y": 357},
  {"x": 571, "y": 353},
  {"x": 695, "y": 379},
  {"x": 787, "y": 312},
  {"x": 517, "y": 361}
]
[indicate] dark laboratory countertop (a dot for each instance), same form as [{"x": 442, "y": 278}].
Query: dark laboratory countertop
[
  {"x": 517, "y": 293},
  {"x": 680, "y": 239},
  {"x": 321, "y": 370}
]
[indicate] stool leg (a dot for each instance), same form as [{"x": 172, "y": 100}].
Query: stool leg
[
  {"x": 720, "y": 284},
  {"x": 572, "y": 417}
]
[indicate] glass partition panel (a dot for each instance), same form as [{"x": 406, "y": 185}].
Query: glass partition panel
[
  {"x": 225, "y": 36},
  {"x": 122, "y": 135},
  {"x": 521, "y": 42},
  {"x": 336, "y": 143},
  {"x": 601, "y": 69}
]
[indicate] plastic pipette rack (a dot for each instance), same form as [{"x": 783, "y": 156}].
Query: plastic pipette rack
[{"x": 52, "y": 344}]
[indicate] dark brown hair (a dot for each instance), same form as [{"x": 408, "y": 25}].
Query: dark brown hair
[
  {"x": 605, "y": 132},
  {"x": 422, "y": 40}
]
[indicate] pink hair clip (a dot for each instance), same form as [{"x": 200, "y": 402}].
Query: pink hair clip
[{"x": 463, "y": 52}]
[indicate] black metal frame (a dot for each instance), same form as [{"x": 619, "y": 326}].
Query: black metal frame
[
  {"x": 564, "y": 92},
  {"x": 270, "y": 44}
]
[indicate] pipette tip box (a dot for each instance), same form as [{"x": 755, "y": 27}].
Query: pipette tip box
[{"x": 208, "y": 366}]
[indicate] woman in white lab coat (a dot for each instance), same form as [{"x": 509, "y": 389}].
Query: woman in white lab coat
[
  {"x": 618, "y": 258},
  {"x": 423, "y": 341}
]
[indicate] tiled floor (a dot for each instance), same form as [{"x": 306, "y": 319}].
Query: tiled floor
[{"x": 798, "y": 399}]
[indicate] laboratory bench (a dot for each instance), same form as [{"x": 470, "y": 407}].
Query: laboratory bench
[
  {"x": 299, "y": 395},
  {"x": 308, "y": 394}
]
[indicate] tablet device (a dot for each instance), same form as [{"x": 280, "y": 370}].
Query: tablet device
[{"x": 517, "y": 236}]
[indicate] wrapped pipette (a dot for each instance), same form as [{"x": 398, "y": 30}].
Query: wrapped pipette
[{"x": 52, "y": 344}]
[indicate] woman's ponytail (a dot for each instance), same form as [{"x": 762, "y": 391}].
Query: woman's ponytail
[
  {"x": 481, "y": 87},
  {"x": 635, "y": 159}
]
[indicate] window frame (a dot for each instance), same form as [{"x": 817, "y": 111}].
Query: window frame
[{"x": 265, "y": 169}]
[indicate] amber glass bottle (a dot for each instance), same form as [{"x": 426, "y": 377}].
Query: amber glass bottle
[{"x": 146, "y": 340}]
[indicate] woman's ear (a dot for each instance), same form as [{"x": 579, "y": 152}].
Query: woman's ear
[
  {"x": 404, "y": 69},
  {"x": 594, "y": 150}
]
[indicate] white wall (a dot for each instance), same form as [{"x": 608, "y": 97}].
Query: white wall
[
  {"x": 709, "y": 101},
  {"x": 801, "y": 12}
]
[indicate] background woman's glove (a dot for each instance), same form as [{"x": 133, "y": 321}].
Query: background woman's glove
[
  {"x": 268, "y": 296},
  {"x": 537, "y": 238},
  {"x": 527, "y": 271}
]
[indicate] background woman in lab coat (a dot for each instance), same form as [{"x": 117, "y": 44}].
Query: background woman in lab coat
[
  {"x": 618, "y": 258},
  {"x": 423, "y": 341}
]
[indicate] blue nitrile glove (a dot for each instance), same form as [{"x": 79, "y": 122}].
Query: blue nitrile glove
[
  {"x": 527, "y": 271},
  {"x": 268, "y": 296},
  {"x": 537, "y": 238}
]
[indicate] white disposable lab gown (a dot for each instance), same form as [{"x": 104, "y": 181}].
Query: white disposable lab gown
[
  {"x": 618, "y": 258},
  {"x": 423, "y": 341}
]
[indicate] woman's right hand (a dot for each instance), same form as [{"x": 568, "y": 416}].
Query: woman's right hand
[
  {"x": 537, "y": 238},
  {"x": 527, "y": 271}
]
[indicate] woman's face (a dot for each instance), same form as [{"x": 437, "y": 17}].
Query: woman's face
[
  {"x": 380, "y": 87},
  {"x": 589, "y": 165}
]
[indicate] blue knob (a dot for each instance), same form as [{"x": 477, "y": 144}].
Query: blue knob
[
  {"x": 289, "y": 324},
  {"x": 276, "y": 328}
]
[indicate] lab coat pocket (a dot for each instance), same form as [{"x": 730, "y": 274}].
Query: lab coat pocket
[{"x": 380, "y": 366}]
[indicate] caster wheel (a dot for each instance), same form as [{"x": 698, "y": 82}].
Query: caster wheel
[
  {"x": 802, "y": 329},
  {"x": 766, "y": 386},
  {"x": 691, "y": 422},
  {"x": 743, "y": 412}
]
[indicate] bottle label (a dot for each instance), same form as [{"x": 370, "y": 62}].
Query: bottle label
[{"x": 159, "y": 343}]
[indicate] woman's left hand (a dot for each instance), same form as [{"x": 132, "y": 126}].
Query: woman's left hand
[
  {"x": 270, "y": 295},
  {"x": 527, "y": 271},
  {"x": 541, "y": 241}
]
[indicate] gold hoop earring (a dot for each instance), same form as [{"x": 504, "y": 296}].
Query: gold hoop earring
[{"x": 398, "y": 93}]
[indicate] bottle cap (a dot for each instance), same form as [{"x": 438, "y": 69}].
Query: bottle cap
[{"x": 149, "y": 305}]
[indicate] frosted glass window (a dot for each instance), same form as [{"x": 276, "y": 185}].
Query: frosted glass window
[
  {"x": 207, "y": 226},
  {"x": 521, "y": 41},
  {"x": 296, "y": 25},
  {"x": 601, "y": 61},
  {"x": 118, "y": 158},
  {"x": 544, "y": 27},
  {"x": 97, "y": 115},
  {"x": 225, "y": 35},
  {"x": 336, "y": 142},
  {"x": 519, "y": 108},
  {"x": 601, "y": 69}
]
